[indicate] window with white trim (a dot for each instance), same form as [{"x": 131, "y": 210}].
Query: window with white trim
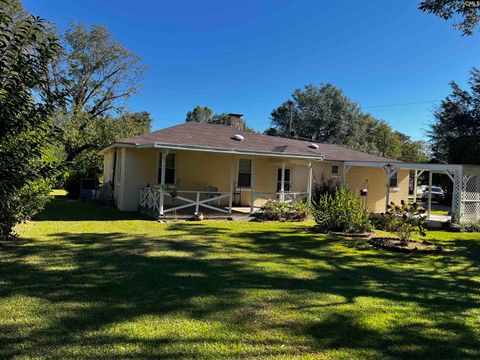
[
  {"x": 394, "y": 180},
  {"x": 244, "y": 173},
  {"x": 169, "y": 169}
]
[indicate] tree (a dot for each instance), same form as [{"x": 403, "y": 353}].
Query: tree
[
  {"x": 467, "y": 15},
  {"x": 325, "y": 114},
  {"x": 98, "y": 134},
  {"x": 26, "y": 105},
  {"x": 455, "y": 135},
  {"x": 99, "y": 76},
  {"x": 204, "y": 114},
  {"x": 201, "y": 114},
  {"x": 321, "y": 113}
]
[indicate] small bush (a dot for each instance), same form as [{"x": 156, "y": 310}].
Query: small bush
[
  {"x": 275, "y": 210},
  {"x": 324, "y": 186},
  {"x": 467, "y": 227},
  {"x": 341, "y": 211},
  {"x": 404, "y": 220}
]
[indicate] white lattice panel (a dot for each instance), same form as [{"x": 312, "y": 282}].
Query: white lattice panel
[{"x": 470, "y": 206}]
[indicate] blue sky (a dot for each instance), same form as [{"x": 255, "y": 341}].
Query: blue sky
[{"x": 248, "y": 56}]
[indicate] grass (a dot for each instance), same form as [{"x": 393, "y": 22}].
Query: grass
[{"x": 89, "y": 282}]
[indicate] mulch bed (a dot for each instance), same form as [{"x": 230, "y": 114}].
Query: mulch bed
[
  {"x": 394, "y": 244},
  {"x": 353, "y": 235}
]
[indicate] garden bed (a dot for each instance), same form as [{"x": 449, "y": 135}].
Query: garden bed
[
  {"x": 365, "y": 235},
  {"x": 394, "y": 244}
]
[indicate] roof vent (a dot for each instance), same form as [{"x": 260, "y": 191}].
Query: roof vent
[
  {"x": 313, "y": 146},
  {"x": 237, "y": 137}
]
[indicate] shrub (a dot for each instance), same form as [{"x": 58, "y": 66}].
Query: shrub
[
  {"x": 324, "y": 186},
  {"x": 404, "y": 220},
  {"x": 275, "y": 210},
  {"x": 341, "y": 211}
]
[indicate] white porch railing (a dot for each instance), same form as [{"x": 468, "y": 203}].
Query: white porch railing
[{"x": 151, "y": 199}]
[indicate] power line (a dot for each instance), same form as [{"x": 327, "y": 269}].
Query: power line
[
  {"x": 402, "y": 104},
  {"x": 272, "y": 102}
]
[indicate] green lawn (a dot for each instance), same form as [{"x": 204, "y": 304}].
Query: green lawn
[{"x": 91, "y": 282}]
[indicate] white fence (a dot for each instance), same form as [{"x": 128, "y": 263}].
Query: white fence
[{"x": 153, "y": 199}]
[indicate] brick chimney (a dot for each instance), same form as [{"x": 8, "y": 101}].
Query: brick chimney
[{"x": 236, "y": 121}]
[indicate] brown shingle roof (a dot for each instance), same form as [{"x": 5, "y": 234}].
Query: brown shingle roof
[{"x": 198, "y": 135}]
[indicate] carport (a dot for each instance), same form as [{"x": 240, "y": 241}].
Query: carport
[{"x": 465, "y": 178}]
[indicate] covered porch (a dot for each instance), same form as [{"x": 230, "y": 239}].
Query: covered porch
[
  {"x": 465, "y": 178},
  {"x": 171, "y": 181}
]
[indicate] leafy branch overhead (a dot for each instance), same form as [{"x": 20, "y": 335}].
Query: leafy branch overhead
[
  {"x": 97, "y": 72},
  {"x": 26, "y": 166},
  {"x": 465, "y": 14}
]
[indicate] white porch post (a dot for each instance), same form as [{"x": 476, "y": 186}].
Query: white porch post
[
  {"x": 252, "y": 186},
  {"x": 429, "y": 194},
  {"x": 346, "y": 169},
  {"x": 310, "y": 181},
  {"x": 163, "y": 160},
  {"x": 230, "y": 200},
  {"x": 282, "y": 183},
  {"x": 389, "y": 171},
  {"x": 415, "y": 181}
]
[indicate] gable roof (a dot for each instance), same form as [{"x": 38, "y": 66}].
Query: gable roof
[{"x": 218, "y": 138}]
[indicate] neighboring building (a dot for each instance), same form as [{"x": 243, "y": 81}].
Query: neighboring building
[{"x": 219, "y": 167}]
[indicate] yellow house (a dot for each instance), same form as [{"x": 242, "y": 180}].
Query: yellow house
[{"x": 196, "y": 166}]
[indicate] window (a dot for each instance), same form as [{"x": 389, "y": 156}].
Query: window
[
  {"x": 244, "y": 173},
  {"x": 169, "y": 169},
  {"x": 335, "y": 170},
  {"x": 287, "y": 180},
  {"x": 394, "y": 180}
]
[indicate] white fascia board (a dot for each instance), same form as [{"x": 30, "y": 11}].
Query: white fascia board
[
  {"x": 409, "y": 166},
  {"x": 212, "y": 150},
  {"x": 116, "y": 145},
  {"x": 237, "y": 152}
]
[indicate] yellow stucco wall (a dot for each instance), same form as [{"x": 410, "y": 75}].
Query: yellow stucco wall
[
  {"x": 377, "y": 186},
  {"x": 197, "y": 170}
]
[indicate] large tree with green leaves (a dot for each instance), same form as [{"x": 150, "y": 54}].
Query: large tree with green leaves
[
  {"x": 465, "y": 14},
  {"x": 98, "y": 134},
  {"x": 27, "y": 134},
  {"x": 455, "y": 135},
  {"x": 98, "y": 74},
  {"x": 325, "y": 114}
]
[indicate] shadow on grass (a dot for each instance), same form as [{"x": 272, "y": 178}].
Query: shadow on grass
[
  {"x": 61, "y": 208},
  {"x": 119, "y": 278}
]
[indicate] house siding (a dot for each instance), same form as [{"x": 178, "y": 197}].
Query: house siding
[
  {"x": 377, "y": 186},
  {"x": 195, "y": 171}
]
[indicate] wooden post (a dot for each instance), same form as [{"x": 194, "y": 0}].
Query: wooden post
[
  {"x": 387, "y": 197},
  {"x": 310, "y": 181},
  {"x": 163, "y": 160},
  {"x": 230, "y": 200},
  {"x": 282, "y": 183},
  {"x": 197, "y": 200},
  {"x": 252, "y": 187},
  {"x": 415, "y": 180},
  {"x": 429, "y": 194}
]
